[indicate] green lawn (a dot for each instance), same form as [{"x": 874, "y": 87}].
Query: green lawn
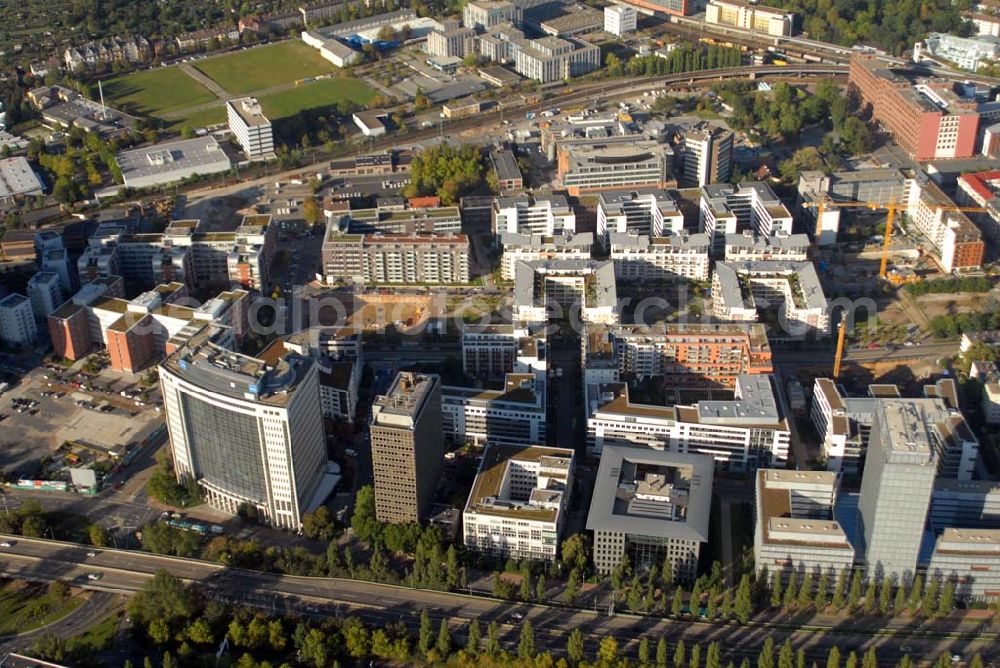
[
  {"x": 265, "y": 66},
  {"x": 16, "y": 613},
  {"x": 319, "y": 94},
  {"x": 154, "y": 92},
  {"x": 200, "y": 119}
]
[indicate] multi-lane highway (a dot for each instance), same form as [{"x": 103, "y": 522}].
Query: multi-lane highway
[{"x": 126, "y": 572}]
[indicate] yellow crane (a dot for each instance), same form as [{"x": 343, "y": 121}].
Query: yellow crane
[{"x": 891, "y": 209}]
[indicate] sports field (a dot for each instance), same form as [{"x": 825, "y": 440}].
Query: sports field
[
  {"x": 262, "y": 67},
  {"x": 323, "y": 93},
  {"x": 154, "y": 92}
]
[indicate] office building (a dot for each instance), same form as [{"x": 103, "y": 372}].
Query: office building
[
  {"x": 752, "y": 247},
  {"x": 652, "y": 507},
  {"x": 250, "y": 126},
  {"x": 388, "y": 217},
  {"x": 708, "y": 156},
  {"x": 407, "y": 447},
  {"x": 397, "y": 258},
  {"x": 958, "y": 244},
  {"x": 593, "y": 166},
  {"x": 741, "y": 435},
  {"x": 565, "y": 289},
  {"x": 457, "y": 43},
  {"x": 675, "y": 7},
  {"x": 689, "y": 355},
  {"x": 844, "y": 423},
  {"x": 481, "y": 15},
  {"x": 248, "y": 431},
  {"x": 331, "y": 49},
  {"x": 980, "y": 189},
  {"x": 18, "y": 180},
  {"x": 167, "y": 162},
  {"x": 750, "y": 16},
  {"x": 536, "y": 247},
  {"x": 748, "y": 291},
  {"x": 671, "y": 258},
  {"x": 17, "y": 321},
  {"x": 620, "y": 19},
  {"x": 493, "y": 351},
  {"x": 970, "y": 557},
  {"x": 45, "y": 293},
  {"x": 896, "y": 489},
  {"x": 546, "y": 215},
  {"x": 970, "y": 504},
  {"x": 505, "y": 167},
  {"x": 519, "y": 501},
  {"x": 645, "y": 212},
  {"x": 548, "y": 59},
  {"x": 794, "y": 529},
  {"x": 513, "y": 415},
  {"x": 968, "y": 53},
  {"x": 927, "y": 120},
  {"x": 731, "y": 209}
]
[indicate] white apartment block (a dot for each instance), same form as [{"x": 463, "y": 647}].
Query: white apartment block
[
  {"x": 248, "y": 431},
  {"x": 250, "y": 126},
  {"x": 620, "y": 19},
  {"x": 514, "y": 415},
  {"x": 741, "y": 291},
  {"x": 753, "y": 17},
  {"x": 667, "y": 258},
  {"x": 708, "y": 156},
  {"x": 456, "y": 43},
  {"x": 17, "y": 321},
  {"x": 972, "y": 558},
  {"x": 795, "y": 530},
  {"x": 956, "y": 239},
  {"x": 729, "y": 209},
  {"x": 543, "y": 214},
  {"x": 752, "y": 247},
  {"x": 481, "y": 15},
  {"x": 742, "y": 435},
  {"x": 489, "y": 351},
  {"x": 518, "y": 503},
  {"x": 398, "y": 258},
  {"x": 648, "y": 212},
  {"x": 562, "y": 288},
  {"x": 534, "y": 247},
  {"x": 46, "y": 294}
]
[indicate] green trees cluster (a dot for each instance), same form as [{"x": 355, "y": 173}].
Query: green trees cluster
[
  {"x": 163, "y": 486},
  {"x": 951, "y": 325},
  {"x": 446, "y": 171},
  {"x": 684, "y": 58},
  {"x": 893, "y": 25},
  {"x": 82, "y": 166},
  {"x": 949, "y": 285},
  {"x": 28, "y": 520}
]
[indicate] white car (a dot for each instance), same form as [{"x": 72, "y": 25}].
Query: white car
[
  {"x": 6, "y": 543},
  {"x": 91, "y": 554},
  {"x": 95, "y": 576}
]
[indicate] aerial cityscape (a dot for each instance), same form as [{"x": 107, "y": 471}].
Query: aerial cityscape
[{"x": 542, "y": 333}]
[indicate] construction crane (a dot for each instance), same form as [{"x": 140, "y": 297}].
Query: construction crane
[
  {"x": 891, "y": 209},
  {"x": 841, "y": 337}
]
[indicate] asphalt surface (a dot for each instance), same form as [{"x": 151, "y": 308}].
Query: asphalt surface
[
  {"x": 94, "y": 609},
  {"x": 125, "y": 572}
]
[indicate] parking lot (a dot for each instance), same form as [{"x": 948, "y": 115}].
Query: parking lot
[{"x": 60, "y": 412}]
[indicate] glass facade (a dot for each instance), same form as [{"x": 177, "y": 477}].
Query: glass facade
[{"x": 225, "y": 447}]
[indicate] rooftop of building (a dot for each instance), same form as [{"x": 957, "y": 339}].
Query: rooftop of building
[
  {"x": 759, "y": 243},
  {"x": 405, "y": 397},
  {"x": 614, "y": 201},
  {"x": 487, "y": 496},
  {"x": 969, "y": 541},
  {"x": 782, "y": 527},
  {"x": 519, "y": 388},
  {"x": 599, "y": 275},
  {"x": 514, "y": 240},
  {"x": 184, "y": 154},
  {"x": 13, "y": 300},
  {"x": 691, "y": 241},
  {"x": 249, "y": 111},
  {"x": 18, "y": 178},
  {"x": 505, "y": 165},
  {"x": 636, "y": 487},
  {"x": 803, "y": 282}
]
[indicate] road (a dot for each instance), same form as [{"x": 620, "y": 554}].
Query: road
[
  {"x": 94, "y": 609},
  {"x": 126, "y": 572}
]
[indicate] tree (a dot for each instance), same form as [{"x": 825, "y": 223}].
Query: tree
[
  {"x": 426, "y": 633},
  {"x": 572, "y": 589},
  {"x": 727, "y": 605},
  {"x": 869, "y": 605},
  {"x": 695, "y": 660},
  {"x": 164, "y": 600},
  {"x": 661, "y": 653},
  {"x": 899, "y": 603},
  {"x": 526, "y": 585},
  {"x": 786, "y": 655},
  {"x": 870, "y": 659},
  {"x": 854, "y": 593},
  {"x": 607, "y": 651},
  {"x": 776, "y": 596},
  {"x": 312, "y": 214},
  {"x": 852, "y": 661},
  {"x": 526, "y": 642},
  {"x": 199, "y": 632},
  {"x": 363, "y": 521},
  {"x": 744, "y": 600},
  {"x": 644, "y": 651},
  {"x": 679, "y": 653},
  {"x": 790, "y": 590},
  {"x": 839, "y": 590},
  {"x": 947, "y": 601},
  {"x": 574, "y": 646},
  {"x": 806, "y": 591},
  {"x": 822, "y": 591},
  {"x": 930, "y": 601},
  {"x": 713, "y": 659},
  {"x": 916, "y": 594},
  {"x": 677, "y": 604},
  {"x": 884, "y": 595},
  {"x": 98, "y": 535},
  {"x": 475, "y": 635},
  {"x": 443, "y": 644},
  {"x": 356, "y": 638},
  {"x": 314, "y": 649},
  {"x": 493, "y": 639},
  {"x": 575, "y": 553},
  {"x": 765, "y": 659},
  {"x": 833, "y": 658}
]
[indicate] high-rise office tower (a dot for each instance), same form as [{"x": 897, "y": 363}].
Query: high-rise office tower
[
  {"x": 250, "y": 127},
  {"x": 407, "y": 447},
  {"x": 708, "y": 156},
  {"x": 248, "y": 430},
  {"x": 896, "y": 488}
]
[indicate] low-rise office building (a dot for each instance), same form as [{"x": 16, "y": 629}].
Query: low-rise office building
[
  {"x": 620, "y": 19},
  {"x": 652, "y": 507},
  {"x": 970, "y": 504},
  {"x": 795, "y": 530},
  {"x": 167, "y": 162},
  {"x": 513, "y": 415},
  {"x": 587, "y": 167},
  {"x": 458, "y": 42},
  {"x": 753, "y": 17},
  {"x": 518, "y": 503},
  {"x": 971, "y": 558}
]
